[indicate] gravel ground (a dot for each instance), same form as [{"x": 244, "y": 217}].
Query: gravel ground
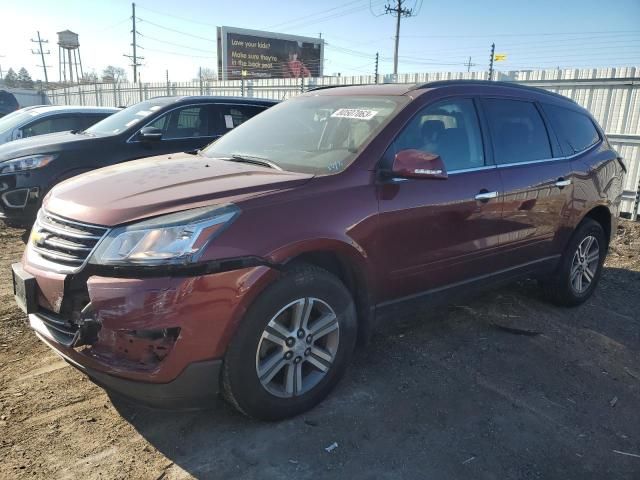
[{"x": 442, "y": 394}]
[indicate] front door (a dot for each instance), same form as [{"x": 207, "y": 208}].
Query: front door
[
  {"x": 184, "y": 129},
  {"x": 435, "y": 233}
]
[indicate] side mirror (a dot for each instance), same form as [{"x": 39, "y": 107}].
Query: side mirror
[
  {"x": 418, "y": 164},
  {"x": 17, "y": 134},
  {"x": 151, "y": 134}
]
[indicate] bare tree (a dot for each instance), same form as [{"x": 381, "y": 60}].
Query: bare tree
[{"x": 113, "y": 74}]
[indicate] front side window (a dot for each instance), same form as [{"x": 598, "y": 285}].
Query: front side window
[
  {"x": 320, "y": 134},
  {"x": 517, "y": 131},
  {"x": 575, "y": 130},
  {"x": 449, "y": 129}
]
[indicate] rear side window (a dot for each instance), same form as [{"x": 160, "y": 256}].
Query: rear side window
[
  {"x": 228, "y": 117},
  {"x": 576, "y": 132},
  {"x": 517, "y": 131},
  {"x": 52, "y": 125},
  {"x": 89, "y": 120}
]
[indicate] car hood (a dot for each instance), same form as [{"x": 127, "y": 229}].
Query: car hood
[
  {"x": 49, "y": 143},
  {"x": 158, "y": 185}
]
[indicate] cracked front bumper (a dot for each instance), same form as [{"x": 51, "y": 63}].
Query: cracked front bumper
[{"x": 157, "y": 340}]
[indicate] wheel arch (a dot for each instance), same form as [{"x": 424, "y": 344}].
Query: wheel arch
[
  {"x": 350, "y": 265},
  {"x": 602, "y": 215}
]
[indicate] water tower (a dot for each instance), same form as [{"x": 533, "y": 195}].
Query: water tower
[{"x": 69, "y": 55}]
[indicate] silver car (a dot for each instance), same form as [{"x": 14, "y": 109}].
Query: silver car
[{"x": 42, "y": 119}]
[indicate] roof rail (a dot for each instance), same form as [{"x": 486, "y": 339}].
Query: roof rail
[
  {"x": 449, "y": 83},
  {"x": 325, "y": 87}
]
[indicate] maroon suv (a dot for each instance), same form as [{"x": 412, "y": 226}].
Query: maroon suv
[{"x": 252, "y": 268}]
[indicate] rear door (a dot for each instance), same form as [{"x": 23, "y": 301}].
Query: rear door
[
  {"x": 537, "y": 180},
  {"x": 438, "y": 232}
]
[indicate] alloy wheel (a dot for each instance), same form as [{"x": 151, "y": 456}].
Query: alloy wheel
[
  {"x": 585, "y": 264},
  {"x": 298, "y": 347}
]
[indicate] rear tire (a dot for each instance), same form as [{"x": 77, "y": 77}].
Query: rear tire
[
  {"x": 292, "y": 346},
  {"x": 580, "y": 268}
]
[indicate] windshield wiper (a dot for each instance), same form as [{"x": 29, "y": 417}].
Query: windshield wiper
[{"x": 252, "y": 160}]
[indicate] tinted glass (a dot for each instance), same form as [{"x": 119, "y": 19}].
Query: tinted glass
[
  {"x": 449, "y": 129},
  {"x": 576, "y": 131},
  {"x": 319, "y": 134},
  {"x": 51, "y": 125},
  {"x": 188, "y": 122},
  {"x": 517, "y": 131},
  {"x": 7, "y": 100},
  {"x": 89, "y": 120},
  {"x": 228, "y": 117}
]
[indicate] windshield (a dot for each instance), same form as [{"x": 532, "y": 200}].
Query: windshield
[
  {"x": 124, "y": 119},
  {"x": 16, "y": 119},
  {"x": 320, "y": 135}
]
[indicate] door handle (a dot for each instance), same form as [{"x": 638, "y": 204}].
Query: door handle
[
  {"x": 561, "y": 183},
  {"x": 485, "y": 196}
]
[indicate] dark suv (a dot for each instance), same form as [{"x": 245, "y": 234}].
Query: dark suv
[
  {"x": 31, "y": 166},
  {"x": 254, "y": 266}
]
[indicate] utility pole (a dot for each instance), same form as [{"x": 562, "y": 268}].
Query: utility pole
[
  {"x": 398, "y": 11},
  {"x": 42, "y": 53},
  {"x": 134, "y": 33},
  {"x": 1, "y": 75},
  {"x": 377, "y": 58},
  {"x": 469, "y": 65},
  {"x": 493, "y": 49}
]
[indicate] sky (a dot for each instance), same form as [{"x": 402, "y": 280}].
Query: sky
[{"x": 180, "y": 36}]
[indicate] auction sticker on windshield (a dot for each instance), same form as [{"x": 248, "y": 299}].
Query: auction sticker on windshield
[{"x": 355, "y": 113}]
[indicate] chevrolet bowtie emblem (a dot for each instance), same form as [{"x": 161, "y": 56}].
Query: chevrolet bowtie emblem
[{"x": 37, "y": 237}]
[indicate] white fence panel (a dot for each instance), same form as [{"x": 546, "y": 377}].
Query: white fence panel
[{"x": 610, "y": 94}]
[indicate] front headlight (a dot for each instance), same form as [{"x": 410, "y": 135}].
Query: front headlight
[
  {"x": 29, "y": 162},
  {"x": 177, "y": 238}
]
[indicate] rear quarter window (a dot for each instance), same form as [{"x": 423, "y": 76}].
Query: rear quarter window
[{"x": 576, "y": 131}]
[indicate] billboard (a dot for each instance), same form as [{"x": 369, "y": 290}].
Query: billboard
[{"x": 256, "y": 54}]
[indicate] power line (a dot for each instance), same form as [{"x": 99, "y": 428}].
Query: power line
[
  {"x": 338, "y": 14},
  {"x": 311, "y": 15},
  {"x": 523, "y": 34},
  {"x": 180, "y": 54},
  {"x": 176, "y": 31},
  {"x": 175, "y": 44},
  {"x": 173, "y": 16}
]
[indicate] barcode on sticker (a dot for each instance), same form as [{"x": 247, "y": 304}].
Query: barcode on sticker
[{"x": 355, "y": 113}]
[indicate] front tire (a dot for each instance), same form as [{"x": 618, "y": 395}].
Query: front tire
[
  {"x": 580, "y": 267},
  {"x": 292, "y": 346}
]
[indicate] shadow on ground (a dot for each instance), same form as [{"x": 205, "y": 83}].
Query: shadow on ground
[{"x": 458, "y": 392}]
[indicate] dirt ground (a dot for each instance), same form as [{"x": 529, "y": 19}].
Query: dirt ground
[{"x": 443, "y": 394}]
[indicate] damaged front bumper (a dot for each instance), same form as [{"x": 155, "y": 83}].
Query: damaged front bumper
[{"x": 158, "y": 340}]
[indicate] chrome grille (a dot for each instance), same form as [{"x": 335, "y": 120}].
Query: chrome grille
[{"x": 64, "y": 241}]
